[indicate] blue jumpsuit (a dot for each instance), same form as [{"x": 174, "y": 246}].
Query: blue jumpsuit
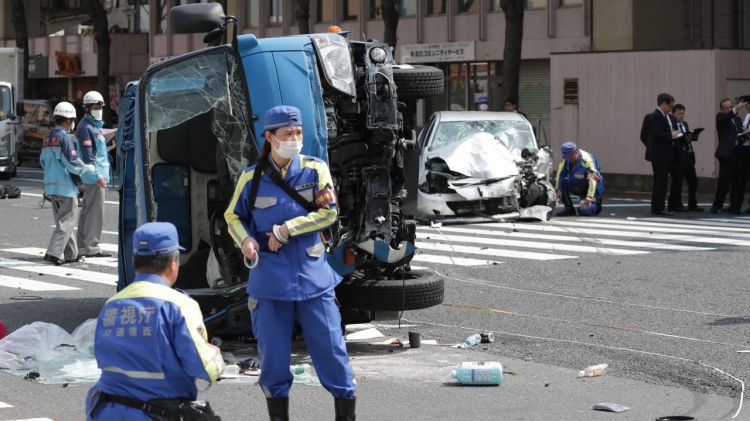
[
  {"x": 150, "y": 343},
  {"x": 296, "y": 283},
  {"x": 93, "y": 149},
  {"x": 582, "y": 178}
]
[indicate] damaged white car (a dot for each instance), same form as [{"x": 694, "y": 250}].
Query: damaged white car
[{"x": 483, "y": 164}]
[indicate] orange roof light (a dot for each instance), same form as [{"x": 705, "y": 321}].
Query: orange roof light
[{"x": 334, "y": 28}]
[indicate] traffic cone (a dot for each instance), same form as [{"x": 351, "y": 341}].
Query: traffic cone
[{"x": 3, "y": 330}]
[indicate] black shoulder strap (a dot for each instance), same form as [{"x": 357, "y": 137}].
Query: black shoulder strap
[
  {"x": 256, "y": 183},
  {"x": 276, "y": 177},
  {"x": 263, "y": 167}
]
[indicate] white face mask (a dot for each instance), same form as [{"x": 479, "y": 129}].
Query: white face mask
[
  {"x": 97, "y": 114},
  {"x": 483, "y": 107},
  {"x": 72, "y": 126},
  {"x": 288, "y": 149}
]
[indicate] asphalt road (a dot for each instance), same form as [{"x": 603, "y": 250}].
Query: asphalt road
[{"x": 663, "y": 302}]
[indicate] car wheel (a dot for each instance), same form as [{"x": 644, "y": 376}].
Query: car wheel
[
  {"x": 419, "y": 289},
  {"x": 416, "y": 82}
]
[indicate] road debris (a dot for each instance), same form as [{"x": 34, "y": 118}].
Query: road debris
[{"x": 609, "y": 407}]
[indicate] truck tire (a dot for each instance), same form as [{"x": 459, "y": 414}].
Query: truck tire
[
  {"x": 420, "y": 289},
  {"x": 416, "y": 82}
]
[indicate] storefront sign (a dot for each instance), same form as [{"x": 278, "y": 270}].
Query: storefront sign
[{"x": 434, "y": 53}]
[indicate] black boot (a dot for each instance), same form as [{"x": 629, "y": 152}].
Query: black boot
[
  {"x": 278, "y": 409},
  {"x": 345, "y": 409},
  {"x": 569, "y": 209}
]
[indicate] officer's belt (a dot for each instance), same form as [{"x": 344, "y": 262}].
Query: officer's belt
[{"x": 164, "y": 409}]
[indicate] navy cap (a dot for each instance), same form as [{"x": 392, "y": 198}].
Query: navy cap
[
  {"x": 482, "y": 99},
  {"x": 155, "y": 238},
  {"x": 282, "y": 116},
  {"x": 567, "y": 149}
]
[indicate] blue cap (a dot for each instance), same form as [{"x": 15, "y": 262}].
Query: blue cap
[
  {"x": 282, "y": 116},
  {"x": 482, "y": 99},
  {"x": 155, "y": 238},
  {"x": 567, "y": 149}
]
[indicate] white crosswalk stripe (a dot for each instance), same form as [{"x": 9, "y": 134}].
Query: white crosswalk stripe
[
  {"x": 31, "y": 285},
  {"x": 470, "y": 245}
]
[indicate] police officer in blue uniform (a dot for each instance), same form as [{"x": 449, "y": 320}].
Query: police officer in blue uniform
[
  {"x": 60, "y": 162},
  {"x": 94, "y": 151},
  {"x": 292, "y": 281},
  {"x": 579, "y": 173},
  {"x": 150, "y": 341}
]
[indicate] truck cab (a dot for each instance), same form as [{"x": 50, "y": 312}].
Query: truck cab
[
  {"x": 8, "y": 131},
  {"x": 193, "y": 123}
]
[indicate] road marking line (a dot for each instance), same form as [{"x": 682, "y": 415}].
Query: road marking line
[
  {"x": 31, "y": 285},
  {"x": 60, "y": 271},
  {"x": 112, "y": 248},
  {"x": 651, "y": 229},
  {"x": 615, "y": 233},
  {"x": 702, "y": 226},
  {"x": 738, "y": 220},
  {"x": 606, "y": 241},
  {"x": 492, "y": 252},
  {"x": 5, "y": 405},
  {"x": 39, "y": 252},
  {"x": 529, "y": 244},
  {"x": 448, "y": 260},
  {"x": 109, "y": 202}
]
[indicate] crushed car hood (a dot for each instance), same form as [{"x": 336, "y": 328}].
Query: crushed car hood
[{"x": 478, "y": 156}]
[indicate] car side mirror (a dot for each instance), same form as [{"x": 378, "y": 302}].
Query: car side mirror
[
  {"x": 12, "y": 117},
  {"x": 20, "y": 110}
]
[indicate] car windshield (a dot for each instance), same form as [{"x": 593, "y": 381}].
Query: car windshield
[
  {"x": 4, "y": 102},
  {"x": 513, "y": 134}
]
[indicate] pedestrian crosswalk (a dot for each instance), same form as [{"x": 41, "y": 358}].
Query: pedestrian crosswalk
[
  {"x": 469, "y": 245},
  {"x": 4, "y": 405},
  {"x": 571, "y": 238}
]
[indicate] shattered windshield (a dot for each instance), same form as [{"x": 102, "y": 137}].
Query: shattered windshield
[
  {"x": 5, "y": 101},
  {"x": 513, "y": 134},
  {"x": 209, "y": 84}
]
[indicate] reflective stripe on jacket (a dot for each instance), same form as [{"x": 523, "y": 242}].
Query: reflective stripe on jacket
[
  {"x": 299, "y": 270},
  {"x": 151, "y": 343}
]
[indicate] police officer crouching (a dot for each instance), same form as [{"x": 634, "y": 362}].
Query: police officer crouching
[
  {"x": 150, "y": 341},
  {"x": 279, "y": 208},
  {"x": 579, "y": 173}
]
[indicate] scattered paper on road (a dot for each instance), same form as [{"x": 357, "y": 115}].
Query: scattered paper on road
[{"x": 364, "y": 334}]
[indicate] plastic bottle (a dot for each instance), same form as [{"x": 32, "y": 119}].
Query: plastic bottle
[
  {"x": 303, "y": 374},
  {"x": 471, "y": 341},
  {"x": 479, "y": 373},
  {"x": 594, "y": 370}
]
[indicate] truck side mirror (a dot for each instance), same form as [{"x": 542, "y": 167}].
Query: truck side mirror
[
  {"x": 12, "y": 117},
  {"x": 197, "y": 18},
  {"x": 20, "y": 110}
]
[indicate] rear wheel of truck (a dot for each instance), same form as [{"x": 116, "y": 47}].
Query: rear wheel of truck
[
  {"x": 418, "y": 289},
  {"x": 417, "y": 82}
]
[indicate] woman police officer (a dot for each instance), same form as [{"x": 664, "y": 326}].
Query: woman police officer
[{"x": 292, "y": 280}]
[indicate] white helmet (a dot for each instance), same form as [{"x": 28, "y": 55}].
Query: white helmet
[
  {"x": 93, "y": 97},
  {"x": 65, "y": 109}
]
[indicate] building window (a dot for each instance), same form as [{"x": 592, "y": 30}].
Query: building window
[
  {"x": 528, "y": 4},
  {"x": 161, "y": 16},
  {"x": 407, "y": 9},
  {"x": 435, "y": 7},
  {"x": 252, "y": 14},
  {"x": 325, "y": 11},
  {"x": 468, "y": 6},
  {"x": 564, "y": 3},
  {"x": 276, "y": 15},
  {"x": 351, "y": 9}
]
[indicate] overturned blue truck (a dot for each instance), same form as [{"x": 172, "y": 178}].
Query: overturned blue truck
[{"x": 191, "y": 124}]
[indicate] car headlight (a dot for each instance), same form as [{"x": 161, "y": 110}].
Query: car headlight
[
  {"x": 333, "y": 53},
  {"x": 377, "y": 55}
]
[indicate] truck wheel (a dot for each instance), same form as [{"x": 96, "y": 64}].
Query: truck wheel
[
  {"x": 416, "y": 82},
  {"x": 419, "y": 289}
]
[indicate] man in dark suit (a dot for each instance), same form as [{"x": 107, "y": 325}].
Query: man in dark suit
[
  {"x": 687, "y": 157},
  {"x": 728, "y": 129},
  {"x": 662, "y": 152}
]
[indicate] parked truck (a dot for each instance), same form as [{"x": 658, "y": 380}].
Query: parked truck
[
  {"x": 11, "y": 90},
  {"x": 193, "y": 123}
]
